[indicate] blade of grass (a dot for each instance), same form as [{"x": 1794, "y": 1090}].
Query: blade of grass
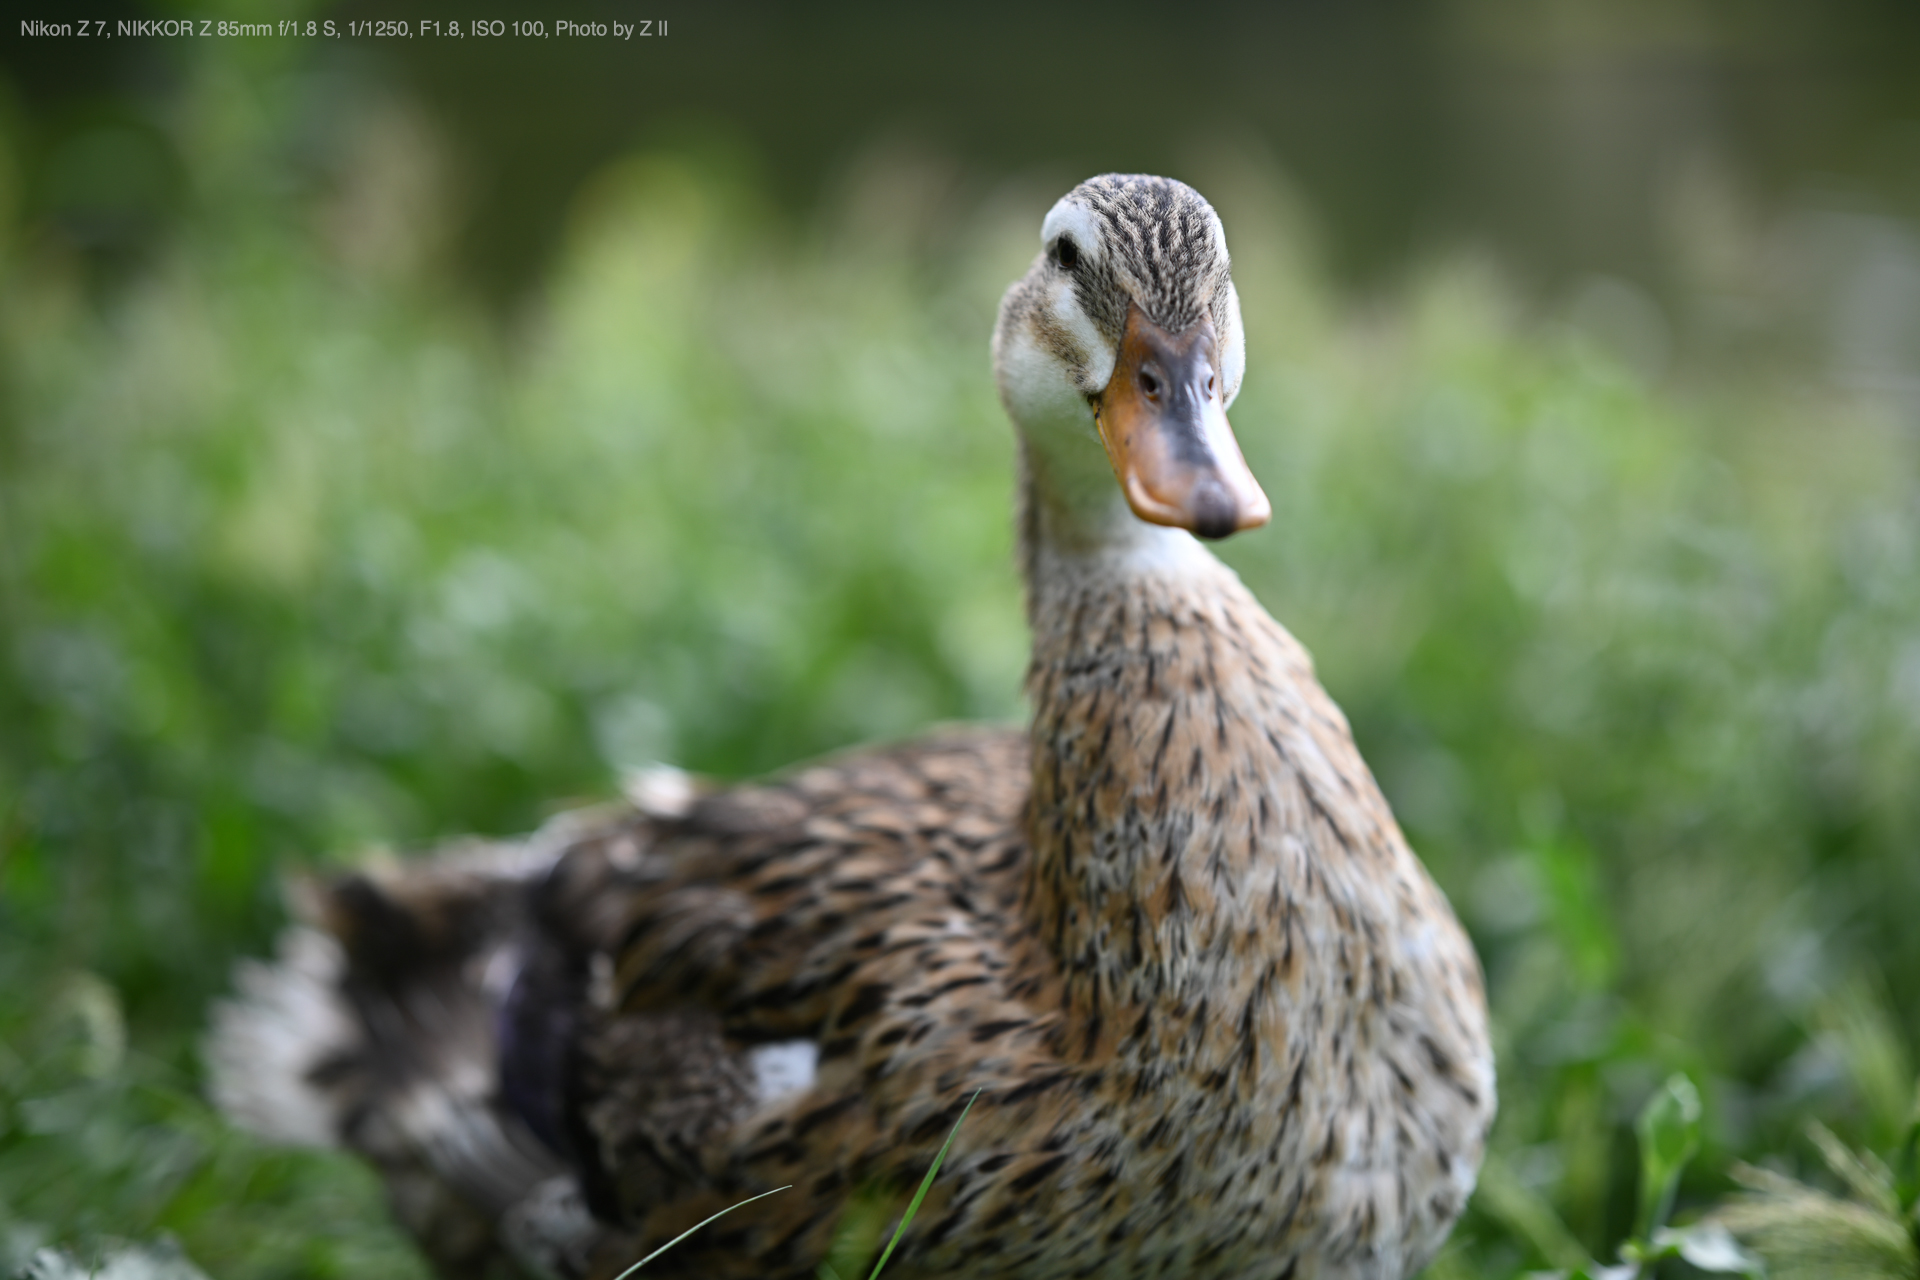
[
  {"x": 703, "y": 1222},
  {"x": 913, "y": 1206},
  {"x": 1527, "y": 1215}
]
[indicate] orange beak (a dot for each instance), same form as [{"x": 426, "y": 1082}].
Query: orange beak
[{"x": 1163, "y": 419}]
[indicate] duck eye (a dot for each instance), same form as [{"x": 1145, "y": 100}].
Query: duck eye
[{"x": 1066, "y": 254}]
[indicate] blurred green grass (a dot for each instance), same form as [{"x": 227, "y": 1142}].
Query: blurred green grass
[{"x": 299, "y": 554}]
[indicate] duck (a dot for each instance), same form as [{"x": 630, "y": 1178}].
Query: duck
[{"x": 1160, "y": 965}]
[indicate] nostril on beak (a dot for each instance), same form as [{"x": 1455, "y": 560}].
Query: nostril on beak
[{"x": 1150, "y": 384}]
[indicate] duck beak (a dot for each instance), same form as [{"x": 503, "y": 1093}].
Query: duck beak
[{"x": 1163, "y": 419}]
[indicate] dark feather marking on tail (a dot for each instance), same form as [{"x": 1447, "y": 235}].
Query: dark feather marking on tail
[{"x": 536, "y": 1028}]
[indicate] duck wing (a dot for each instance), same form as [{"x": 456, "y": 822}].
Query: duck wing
[{"x": 557, "y": 1048}]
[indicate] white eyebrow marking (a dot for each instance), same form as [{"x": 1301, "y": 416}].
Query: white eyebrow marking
[{"x": 1069, "y": 217}]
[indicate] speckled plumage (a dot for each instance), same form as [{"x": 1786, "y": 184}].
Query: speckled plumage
[{"x": 1221, "y": 1022}]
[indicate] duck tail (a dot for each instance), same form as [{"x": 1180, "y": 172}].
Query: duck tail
[{"x": 384, "y": 1027}]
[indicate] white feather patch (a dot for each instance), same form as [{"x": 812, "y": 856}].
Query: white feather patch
[
  {"x": 661, "y": 791},
  {"x": 1233, "y": 348},
  {"x": 1097, "y": 354},
  {"x": 782, "y": 1069},
  {"x": 287, "y": 1019}
]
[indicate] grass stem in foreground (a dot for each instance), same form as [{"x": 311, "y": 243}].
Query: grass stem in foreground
[
  {"x": 703, "y": 1222},
  {"x": 913, "y": 1206}
]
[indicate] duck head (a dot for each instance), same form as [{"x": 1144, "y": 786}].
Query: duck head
[{"x": 1117, "y": 355}]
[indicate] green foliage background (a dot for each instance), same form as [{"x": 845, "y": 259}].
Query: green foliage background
[{"x": 300, "y": 556}]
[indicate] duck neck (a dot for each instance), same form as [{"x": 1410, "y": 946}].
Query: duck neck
[
  {"x": 1074, "y": 524},
  {"x": 1148, "y": 687}
]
